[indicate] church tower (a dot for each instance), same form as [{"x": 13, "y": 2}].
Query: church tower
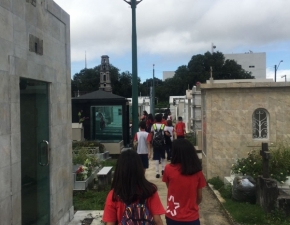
[{"x": 105, "y": 79}]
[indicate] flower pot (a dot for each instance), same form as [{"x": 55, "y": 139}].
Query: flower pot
[
  {"x": 84, "y": 184},
  {"x": 103, "y": 156}
]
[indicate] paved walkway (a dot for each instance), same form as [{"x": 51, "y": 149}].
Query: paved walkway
[{"x": 211, "y": 212}]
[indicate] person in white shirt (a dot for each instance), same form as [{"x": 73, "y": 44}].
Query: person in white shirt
[
  {"x": 142, "y": 139},
  {"x": 168, "y": 134}
]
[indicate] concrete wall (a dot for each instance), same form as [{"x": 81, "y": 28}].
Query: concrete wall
[
  {"x": 47, "y": 21},
  {"x": 227, "y": 111}
]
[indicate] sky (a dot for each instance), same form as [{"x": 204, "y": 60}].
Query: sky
[{"x": 170, "y": 32}]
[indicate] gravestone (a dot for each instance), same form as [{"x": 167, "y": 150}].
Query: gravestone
[{"x": 267, "y": 189}]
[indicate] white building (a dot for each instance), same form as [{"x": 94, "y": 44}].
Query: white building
[
  {"x": 168, "y": 74},
  {"x": 251, "y": 62}
]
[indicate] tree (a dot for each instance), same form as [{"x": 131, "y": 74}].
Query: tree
[
  {"x": 88, "y": 80},
  {"x": 200, "y": 66},
  {"x": 123, "y": 86},
  {"x": 198, "y": 70}
]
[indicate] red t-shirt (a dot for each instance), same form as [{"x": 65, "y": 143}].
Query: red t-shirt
[
  {"x": 182, "y": 193},
  {"x": 179, "y": 128},
  {"x": 163, "y": 121},
  {"x": 114, "y": 210}
]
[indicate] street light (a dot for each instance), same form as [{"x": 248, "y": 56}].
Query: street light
[
  {"x": 135, "y": 119},
  {"x": 276, "y": 68},
  {"x": 284, "y": 76},
  {"x": 212, "y": 48}
]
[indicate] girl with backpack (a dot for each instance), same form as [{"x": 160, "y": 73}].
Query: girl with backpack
[
  {"x": 183, "y": 173},
  {"x": 130, "y": 188}
]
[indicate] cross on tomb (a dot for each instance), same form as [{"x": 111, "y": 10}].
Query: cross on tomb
[{"x": 266, "y": 156}]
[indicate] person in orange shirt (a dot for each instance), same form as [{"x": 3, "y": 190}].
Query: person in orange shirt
[{"x": 180, "y": 128}]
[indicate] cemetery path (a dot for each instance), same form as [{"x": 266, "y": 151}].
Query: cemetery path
[{"x": 211, "y": 212}]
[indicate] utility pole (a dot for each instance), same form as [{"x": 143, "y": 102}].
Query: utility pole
[
  {"x": 135, "y": 119},
  {"x": 85, "y": 60},
  {"x": 153, "y": 93},
  {"x": 276, "y": 68}
]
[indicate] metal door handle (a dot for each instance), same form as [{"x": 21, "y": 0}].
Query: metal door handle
[{"x": 47, "y": 154}]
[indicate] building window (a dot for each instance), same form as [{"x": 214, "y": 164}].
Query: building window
[
  {"x": 104, "y": 78},
  {"x": 35, "y": 44},
  {"x": 260, "y": 124}
]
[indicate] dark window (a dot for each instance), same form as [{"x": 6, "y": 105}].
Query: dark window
[{"x": 35, "y": 44}]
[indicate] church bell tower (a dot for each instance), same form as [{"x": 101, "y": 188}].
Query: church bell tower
[{"x": 105, "y": 79}]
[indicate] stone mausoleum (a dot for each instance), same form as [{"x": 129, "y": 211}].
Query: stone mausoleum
[
  {"x": 105, "y": 115},
  {"x": 35, "y": 114},
  {"x": 237, "y": 117}
]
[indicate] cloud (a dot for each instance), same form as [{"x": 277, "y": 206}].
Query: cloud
[{"x": 177, "y": 29}]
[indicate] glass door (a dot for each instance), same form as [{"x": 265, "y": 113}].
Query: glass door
[{"x": 34, "y": 121}]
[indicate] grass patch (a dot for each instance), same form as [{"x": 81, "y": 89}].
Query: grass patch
[
  {"x": 90, "y": 200},
  {"x": 93, "y": 199},
  {"x": 109, "y": 162},
  {"x": 246, "y": 213}
]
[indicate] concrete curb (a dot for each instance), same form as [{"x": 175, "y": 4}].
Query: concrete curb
[{"x": 221, "y": 201}]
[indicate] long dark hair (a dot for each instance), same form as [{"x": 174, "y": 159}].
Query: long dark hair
[
  {"x": 150, "y": 117},
  {"x": 129, "y": 183},
  {"x": 184, "y": 153}
]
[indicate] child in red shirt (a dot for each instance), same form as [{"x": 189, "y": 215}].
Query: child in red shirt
[
  {"x": 130, "y": 186},
  {"x": 184, "y": 180},
  {"x": 180, "y": 128}
]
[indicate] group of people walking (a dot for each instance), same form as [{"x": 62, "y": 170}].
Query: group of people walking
[{"x": 183, "y": 177}]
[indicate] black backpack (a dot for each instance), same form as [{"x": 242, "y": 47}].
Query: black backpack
[{"x": 158, "y": 138}]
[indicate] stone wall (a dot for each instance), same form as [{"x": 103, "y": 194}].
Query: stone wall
[
  {"x": 227, "y": 121},
  {"x": 22, "y": 24}
]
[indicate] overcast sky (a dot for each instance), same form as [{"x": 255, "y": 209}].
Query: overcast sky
[{"x": 170, "y": 32}]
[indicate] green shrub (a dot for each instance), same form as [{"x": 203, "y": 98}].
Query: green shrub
[
  {"x": 110, "y": 162},
  {"x": 279, "y": 164},
  {"x": 191, "y": 137},
  {"x": 252, "y": 165},
  {"x": 216, "y": 182},
  {"x": 226, "y": 191}
]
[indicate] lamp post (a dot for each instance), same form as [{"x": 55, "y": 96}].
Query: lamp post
[
  {"x": 212, "y": 48},
  {"x": 284, "y": 76},
  {"x": 276, "y": 68},
  {"x": 135, "y": 119},
  {"x": 153, "y": 93}
]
